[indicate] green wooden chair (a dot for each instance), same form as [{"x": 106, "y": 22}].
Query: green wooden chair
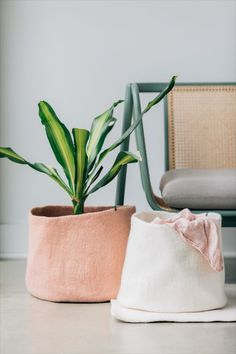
[{"x": 200, "y": 148}]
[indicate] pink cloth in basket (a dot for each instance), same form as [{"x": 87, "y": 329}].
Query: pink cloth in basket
[{"x": 200, "y": 232}]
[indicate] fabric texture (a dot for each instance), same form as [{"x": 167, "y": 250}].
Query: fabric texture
[
  {"x": 199, "y": 188},
  {"x": 226, "y": 314},
  {"x": 164, "y": 273},
  {"x": 77, "y": 257},
  {"x": 199, "y": 231}
]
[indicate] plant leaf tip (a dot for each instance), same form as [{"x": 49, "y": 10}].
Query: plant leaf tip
[{"x": 138, "y": 154}]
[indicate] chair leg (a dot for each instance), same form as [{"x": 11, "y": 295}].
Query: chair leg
[{"x": 127, "y": 119}]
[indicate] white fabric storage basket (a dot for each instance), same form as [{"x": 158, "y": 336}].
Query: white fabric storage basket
[{"x": 163, "y": 273}]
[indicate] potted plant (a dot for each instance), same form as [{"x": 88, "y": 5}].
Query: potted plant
[{"x": 76, "y": 253}]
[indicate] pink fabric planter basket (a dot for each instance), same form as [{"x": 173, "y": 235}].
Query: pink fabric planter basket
[{"x": 77, "y": 258}]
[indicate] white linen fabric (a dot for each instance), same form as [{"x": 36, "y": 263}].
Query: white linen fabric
[
  {"x": 162, "y": 273},
  {"x": 226, "y": 314}
]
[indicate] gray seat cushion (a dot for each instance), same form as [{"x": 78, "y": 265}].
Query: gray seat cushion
[{"x": 199, "y": 188}]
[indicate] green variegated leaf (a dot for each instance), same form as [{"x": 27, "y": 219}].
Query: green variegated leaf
[
  {"x": 97, "y": 174},
  {"x": 11, "y": 155},
  {"x": 93, "y": 178},
  {"x": 51, "y": 172},
  {"x": 161, "y": 95},
  {"x": 123, "y": 158},
  {"x": 96, "y": 142},
  {"x": 60, "y": 140},
  {"x": 81, "y": 137},
  {"x": 124, "y": 136},
  {"x": 101, "y": 126},
  {"x": 40, "y": 167}
]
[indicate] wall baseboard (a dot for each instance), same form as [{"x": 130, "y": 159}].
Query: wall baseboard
[
  {"x": 230, "y": 264},
  {"x": 14, "y": 245},
  {"x": 12, "y": 256},
  {"x": 14, "y": 241}
]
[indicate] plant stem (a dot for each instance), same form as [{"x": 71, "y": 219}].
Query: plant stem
[{"x": 78, "y": 207}]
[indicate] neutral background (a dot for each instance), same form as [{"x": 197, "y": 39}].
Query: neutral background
[{"x": 79, "y": 55}]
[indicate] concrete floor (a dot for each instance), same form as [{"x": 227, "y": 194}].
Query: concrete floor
[{"x": 32, "y": 326}]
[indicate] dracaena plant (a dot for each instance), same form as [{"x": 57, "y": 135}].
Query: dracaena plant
[{"x": 81, "y": 153}]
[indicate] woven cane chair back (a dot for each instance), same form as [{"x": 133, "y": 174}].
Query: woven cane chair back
[{"x": 202, "y": 126}]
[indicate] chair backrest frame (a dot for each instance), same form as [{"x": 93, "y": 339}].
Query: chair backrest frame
[
  {"x": 157, "y": 87},
  {"x": 132, "y": 109}
]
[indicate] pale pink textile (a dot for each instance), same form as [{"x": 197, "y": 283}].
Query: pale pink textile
[
  {"x": 77, "y": 257},
  {"x": 200, "y": 231}
]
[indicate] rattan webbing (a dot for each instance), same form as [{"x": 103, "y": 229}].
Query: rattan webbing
[{"x": 202, "y": 127}]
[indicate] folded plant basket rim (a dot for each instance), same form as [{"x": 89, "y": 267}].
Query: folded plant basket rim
[
  {"x": 77, "y": 258},
  {"x": 42, "y": 211}
]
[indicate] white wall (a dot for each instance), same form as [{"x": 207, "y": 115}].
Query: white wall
[{"x": 79, "y": 55}]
